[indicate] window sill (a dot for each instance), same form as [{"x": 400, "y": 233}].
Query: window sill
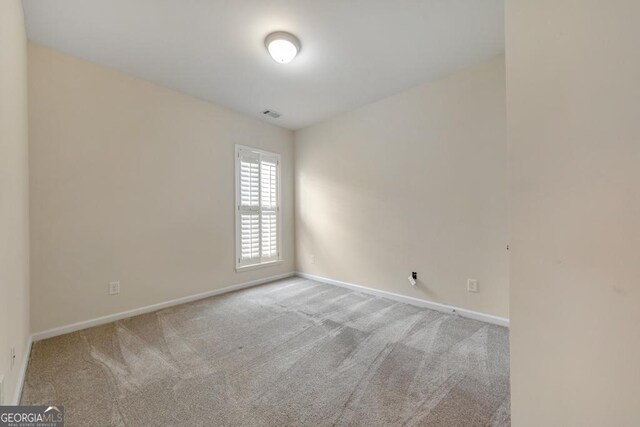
[{"x": 256, "y": 266}]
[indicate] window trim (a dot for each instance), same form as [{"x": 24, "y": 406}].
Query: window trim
[{"x": 238, "y": 252}]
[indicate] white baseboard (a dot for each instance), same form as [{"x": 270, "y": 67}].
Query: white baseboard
[
  {"x": 488, "y": 318},
  {"x": 23, "y": 371},
  {"x": 61, "y": 330}
]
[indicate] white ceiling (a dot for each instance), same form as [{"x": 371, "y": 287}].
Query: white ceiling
[{"x": 353, "y": 51}]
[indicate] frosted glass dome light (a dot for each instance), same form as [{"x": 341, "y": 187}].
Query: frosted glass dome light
[{"x": 282, "y": 47}]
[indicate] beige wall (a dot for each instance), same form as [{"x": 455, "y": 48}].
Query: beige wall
[
  {"x": 415, "y": 182},
  {"x": 14, "y": 197},
  {"x": 133, "y": 182},
  {"x": 574, "y": 137}
]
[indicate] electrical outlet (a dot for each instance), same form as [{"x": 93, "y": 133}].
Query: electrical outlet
[
  {"x": 472, "y": 285},
  {"x": 313, "y": 259},
  {"x": 13, "y": 357},
  {"x": 114, "y": 288}
]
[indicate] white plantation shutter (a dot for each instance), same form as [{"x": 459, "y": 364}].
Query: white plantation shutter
[
  {"x": 250, "y": 236},
  {"x": 268, "y": 180},
  {"x": 269, "y": 202},
  {"x": 269, "y": 235},
  {"x": 249, "y": 180},
  {"x": 249, "y": 207},
  {"x": 258, "y": 210}
]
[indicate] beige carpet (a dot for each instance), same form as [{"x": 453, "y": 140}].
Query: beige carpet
[{"x": 293, "y": 352}]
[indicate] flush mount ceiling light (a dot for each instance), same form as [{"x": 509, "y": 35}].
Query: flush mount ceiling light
[{"x": 282, "y": 47}]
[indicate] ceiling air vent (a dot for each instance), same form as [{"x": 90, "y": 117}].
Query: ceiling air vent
[{"x": 271, "y": 113}]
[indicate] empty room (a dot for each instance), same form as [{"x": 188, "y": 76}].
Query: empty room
[{"x": 319, "y": 213}]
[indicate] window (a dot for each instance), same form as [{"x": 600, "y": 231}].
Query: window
[{"x": 258, "y": 207}]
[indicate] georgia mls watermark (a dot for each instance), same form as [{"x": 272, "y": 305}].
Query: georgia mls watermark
[{"x": 31, "y": 416}]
